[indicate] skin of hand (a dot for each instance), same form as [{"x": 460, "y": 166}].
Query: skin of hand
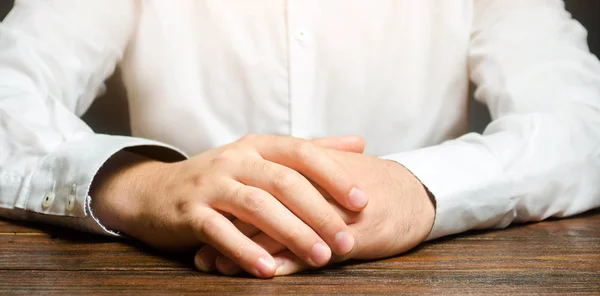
[
  {"x": 399, "y": 216},
  {"x": 261, "y": 180}
]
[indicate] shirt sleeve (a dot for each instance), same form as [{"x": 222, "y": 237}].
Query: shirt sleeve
[
  {"x": 540, "y": 155},
  {"x": 54, "y": 58}
]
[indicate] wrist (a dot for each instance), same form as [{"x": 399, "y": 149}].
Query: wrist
[
  {"x": 118, "y": 187},
  {"x": 424, "y": 202},
  {"x": 426, "y": 208}
]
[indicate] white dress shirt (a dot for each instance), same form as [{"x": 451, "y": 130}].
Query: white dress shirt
[{"x": 202, "y": 73}]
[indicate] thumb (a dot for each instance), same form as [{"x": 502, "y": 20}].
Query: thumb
[{"x": 354, "y": 144}]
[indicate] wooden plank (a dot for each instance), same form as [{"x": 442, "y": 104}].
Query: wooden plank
[
  {"x": 560, "y": 257},
  {"x": 84, "y": 252},
  {"x": 544, "y": 244},
  {"x": 45, "y": 253},
  {"x": 381, "y": 281}
]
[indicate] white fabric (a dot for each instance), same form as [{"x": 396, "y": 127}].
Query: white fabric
[{"x": 202, "y": 73}]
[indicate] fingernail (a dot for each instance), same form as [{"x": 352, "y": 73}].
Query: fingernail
[
  {"x": 265, "y": 267},
  {"x": 320, "y": 254},
  {"x": 357, "y": 198},
  {"x": 344, "y": 242},
  {"x": 201, "y": 264},
  {"x": 280, "y": 266}
]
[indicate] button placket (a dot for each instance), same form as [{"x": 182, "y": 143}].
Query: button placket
[{"x": 302, "y": 58}]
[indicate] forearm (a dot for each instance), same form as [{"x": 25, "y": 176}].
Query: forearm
[{"x": 117, "y": 189}]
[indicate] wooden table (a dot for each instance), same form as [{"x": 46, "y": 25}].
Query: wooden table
[{"x": 559, "y": 257}]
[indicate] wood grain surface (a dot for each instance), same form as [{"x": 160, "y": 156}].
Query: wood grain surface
[{"x": 560, "y": 257}]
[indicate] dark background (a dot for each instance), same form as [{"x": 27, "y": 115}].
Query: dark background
[{"x": 586, "y": 11}]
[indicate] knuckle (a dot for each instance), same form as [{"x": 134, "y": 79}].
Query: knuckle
[
  {"x": 238, "y": 252},
  {"x": 324, "y": 220},
  {"x": 185, "y": 209},
  {"x": 239, "y": 193},
  {"x": 286, "y": 179},
  {"x": 248, "y": 138},
  {"x": 224, "y": 158},
  {"x": 198, "y": 180},
  {"x": 199, "y": 187},
  {"x": 294, "y": 236},
  {"x": 302, "y": 149},
  {"x": 209, "y": 226},
  {"x": 253, "y": 201}
]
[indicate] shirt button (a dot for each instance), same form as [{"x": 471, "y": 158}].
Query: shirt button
[
  {"x": 301, "y": 35},
  {"x": 48, "y": 200},
  {"x": 70, "y": 203}
]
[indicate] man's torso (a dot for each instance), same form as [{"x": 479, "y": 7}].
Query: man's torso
[{"x": 202, "y": 73}]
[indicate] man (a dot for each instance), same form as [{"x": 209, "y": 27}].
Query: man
[{"x": 240, "y": 85}]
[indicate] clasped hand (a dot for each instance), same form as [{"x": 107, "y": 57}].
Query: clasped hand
[
  {"x": 398, "y": 217},
  {"x": 267, "y": 204},
  {"x": 260, "y": 180}
]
